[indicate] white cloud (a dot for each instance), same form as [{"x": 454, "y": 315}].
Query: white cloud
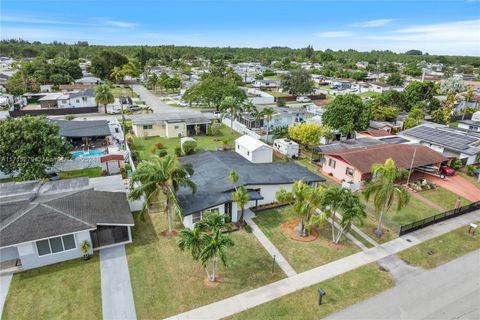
[
  {"x": 334, "y": 34},
  {"x": 97, "y": 22},
  {"x": 373, "y": 23},
  {"x": 120, "y": 24}
]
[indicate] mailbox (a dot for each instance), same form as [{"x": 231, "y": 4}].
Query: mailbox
[{"x": 321, "y": 293}]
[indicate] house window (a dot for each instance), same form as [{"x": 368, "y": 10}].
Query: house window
[
  {"x": 84, "y": 99},
  {"x": 332, "y": 163},
  {"x": 176, "y": 127},
  {"x": 248, "y": 153},
  {"x": 64, "y": 101},
  {"x": 349, "y": 172},
  {"x": 147, "y": 127},
  {"x": 77, "y": 100},
  {"x": 55, "y": 245},
  {"x": 196, "y": 217}
]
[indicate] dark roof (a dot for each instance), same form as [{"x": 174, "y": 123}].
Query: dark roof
[
  {"x": 362, "y": 159},
  {"x": 83, "y": 128},
  {"x": 87, "y": 92},
  {"x": 214, "y": 188},
  {"x": 45, "y": 211},
  {"x": 348, "y": 144},
  {"x": 449, "y": 138}
]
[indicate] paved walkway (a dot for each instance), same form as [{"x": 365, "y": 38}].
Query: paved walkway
[
  {"x": 272, "y": 250},
  {"x": 255, "y": 297},
  {"x": 5, "y": 280},
  {"x": 451, "y": 291},
  {"x": 117, "y": 296}
]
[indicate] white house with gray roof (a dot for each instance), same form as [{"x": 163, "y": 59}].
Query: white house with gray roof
[
  {"x": 46, "y": 222},
  {"x": 253, "y": 149},
  {"x": 72, "y": 99}
]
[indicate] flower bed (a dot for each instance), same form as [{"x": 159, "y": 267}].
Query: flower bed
[{"x": 421, "y": 185}]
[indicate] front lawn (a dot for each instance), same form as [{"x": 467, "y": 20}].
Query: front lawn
[
  {"x": 166, "y": 281},
  {"x": 302, "y": 256},
  {"x": 442, "y": 249},
  {"x": 204, "y": 143},
  {"x": 119, "y": 91},
  {"x": 89, "y": 172},
  {"x": 341, "y": 292},
  {"x": 443, "y": 197},
  {"x": 66, "y": 290},
  {"x": 307, "y": 164}
]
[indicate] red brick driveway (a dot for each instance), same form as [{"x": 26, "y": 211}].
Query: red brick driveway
[{"x": 455, "y": 184}]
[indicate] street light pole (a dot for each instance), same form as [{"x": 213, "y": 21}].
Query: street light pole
[{"x": 411, "y": 166}]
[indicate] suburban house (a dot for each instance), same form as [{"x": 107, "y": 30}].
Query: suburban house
[
  {"x": 379, "y": 87},
  {"x": 286, "y": 147},
  {"x": 89, "y": 81},
  {"x": 471, "y": 125},
  {"x": 266, "y": 84},
  {"x": 171, "y": 124},
  {"x": 353, "y": 166},
  {"x": 47, "y": 222},
  {"x": 72, "y": 99},
  {"x": 388, "y": 127},
  {"x": 452, "y": 143},
  {"x": 84, "y": 133},
  {"x": 253, "y": 149},
  {"x": 211, "y": 171}
]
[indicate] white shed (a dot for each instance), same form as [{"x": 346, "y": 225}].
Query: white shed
[
  {"x": 287, "y": 147},
  {"x": 253, "y": 150}
]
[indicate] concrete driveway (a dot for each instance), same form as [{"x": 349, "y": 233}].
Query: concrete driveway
[
  {"x": 152, "y": 100},
  {"x": 451, "y": 291}
]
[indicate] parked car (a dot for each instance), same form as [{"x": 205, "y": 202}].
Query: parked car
[
  {"x": 183, "y": 104},
  {"x": 53, "y": 176},
  {"x": 303, "y": 99},
  {"x": 447, "y": 171},
  {"x": 134, "y": 108}
]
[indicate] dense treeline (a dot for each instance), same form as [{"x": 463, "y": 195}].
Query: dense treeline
[{"x": 168, "y": 53}]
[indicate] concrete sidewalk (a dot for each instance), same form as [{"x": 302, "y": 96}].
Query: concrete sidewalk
[
  {"x": 252, "y": 298},
  {"x": 268, "y": 245},
  {"x": 117, "y": 296},
  {"x": 5, "y": 280}
]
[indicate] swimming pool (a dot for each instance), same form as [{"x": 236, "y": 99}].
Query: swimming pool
[{"x": 89, "y": 153}]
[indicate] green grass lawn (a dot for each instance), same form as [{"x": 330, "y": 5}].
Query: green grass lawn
[
  {"x": 443, "y": 197},
  {"x": 306, "y": 163},
  {"x": 341, "y": 292},
  {"x": 66, "y": 290},
  {"x": 89, "y": 172},
  {"x": 167, "y": 281},
  {"x": 442, "y": 249},
  {"x": 302, "y": 256},
  {"x": 120, "y": 91},
  {"x": 368, "y": 94},
  {"x": 204, "y": 143}
]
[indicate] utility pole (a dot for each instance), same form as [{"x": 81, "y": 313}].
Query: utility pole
[{"x": 411, "y": 165}]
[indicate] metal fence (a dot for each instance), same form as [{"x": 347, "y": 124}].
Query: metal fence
[{"x": 438, "y": 218}]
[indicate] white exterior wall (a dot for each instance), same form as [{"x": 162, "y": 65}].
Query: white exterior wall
[
  {"x": 289, "y": 149},
  {"x": 79, "y": 102},
  {"x": 470, "y": 158},
  {"x": 174, "y": 129},
  {"x": 28, "y": 253},
  {"x": 261, "y": 155}
]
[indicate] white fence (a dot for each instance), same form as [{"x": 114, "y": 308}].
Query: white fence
[{"x": 242, "y": 129}]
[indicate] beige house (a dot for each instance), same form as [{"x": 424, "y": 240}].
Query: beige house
[{"x": 171, "y": 124}]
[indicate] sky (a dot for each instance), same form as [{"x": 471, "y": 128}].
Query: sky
[{"x": 433, "y": 26}]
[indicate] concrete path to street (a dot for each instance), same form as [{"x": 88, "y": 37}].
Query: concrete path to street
[
  {"x": 255, "y": 297},
  {"x": 5, "y": 280},
  {"x": 151, "y": 100},
  {"x": 117, "y": 295},
  {"x": 451, "y": 291},
  {"x": 268, "y": 245}
]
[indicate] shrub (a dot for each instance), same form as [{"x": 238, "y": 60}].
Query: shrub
[
  {"x": 161, "y": 153},
  {"x": 189, "y": 147},
  {"x": 178, "y": 151},
  {"x": 69, "y": 117},
  {"x": 456, "y": 164},
  {"x": 135, "y": 156},
  {"x": 281, "y": 102},
  {"x": 159, "y": 145},
  {"x": 129, "y": 140},
  {"x": 215, "y": 129},
  {"x": 470, "y": 170},
  {"x": 248, "y": 228},
  {"x": 104, "y": 173},
  {"x": 123, "y": 172}
]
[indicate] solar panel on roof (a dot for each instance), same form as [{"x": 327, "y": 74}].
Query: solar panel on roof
[{"x": 447, "y": 138}]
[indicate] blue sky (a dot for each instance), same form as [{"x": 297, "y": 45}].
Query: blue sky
[{"x": 434, "y": 26}]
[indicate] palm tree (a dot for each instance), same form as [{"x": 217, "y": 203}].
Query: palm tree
[
  {"x": 240, "y": 196},
  {"x": 268, "y": 114},
  {"x": 331, "y": 201},
  {"x": 215, "y": 244},
  {"x": 385, "y": 191},
  {"x": 352, "y": 209},
  {"x": 117, "y": 74},
  {"x": 191, "y": 240},
  {"x": 233, "y": 178},
  {"x": 162, "y": 176},
  {"x": 103, "y": 95},
  {"x": 152, "y": 81},
  {"x": 231, "y": 107}
]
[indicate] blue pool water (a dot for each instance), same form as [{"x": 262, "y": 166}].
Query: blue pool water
[{"x": 89, "y": 153}]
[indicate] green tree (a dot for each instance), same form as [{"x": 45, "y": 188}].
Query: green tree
[
  {"x": 414, "y": 116},
  {"x": 352, "y": 209},
  {"x": 230, "y": 107},
  {"x": 385, "y": 191},
  {"x": 29, "y": 146},
  {"x": 117, "y": 74},
  {"x": 240, "y": 196},
  {"x": 417, "y": 92},
  {"x": 452, "y": 86},
  {"x": 152, "y": 81},
  {"x": 233, "y": 178},
  {"x": 298, "y": 82},
  {"x": 268, "y": 113},
  {"x": 346, "y": 114},
  {"x": 103, "y": 95},
  {"x": 162, "y": 176},
  {"x": 103, "y": 63},
  {"x": 395, "y": 79},
  {"x": 308, "y": 133}
]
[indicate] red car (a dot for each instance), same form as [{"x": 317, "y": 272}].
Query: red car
[{"x": 447, "y": 171}]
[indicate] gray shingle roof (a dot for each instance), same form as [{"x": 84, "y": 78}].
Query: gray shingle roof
[
  {"x": 80, "y": 128},
  {"x": 189, "y": 117},
  {"x": 46, "y": 211},
  {"x": 211, "y": 177}
]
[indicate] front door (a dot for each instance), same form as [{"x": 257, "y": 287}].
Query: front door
[{"x": 228, "y": 210}]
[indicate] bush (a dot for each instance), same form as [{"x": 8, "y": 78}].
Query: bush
[
  {"x": 470, "y": 170},
  {"x": 155, "y": 147},
  {"x": 456, "y": 164},
  {"x": 135, "y": 156},
  {"x": 159, "y": 145},
  {"x": 69, "y": 117},
  {"x": 189, "y": 147},
  {"x": 123, "y": 172},
  {"x": 178, "y": 151},
  {"x": 129, "y": 140},
  {"x": 161, "y": 153},
  {"x": 215, "y": 129},
  {"x": 281, "y": 102},
  {"x": 248, "y": 228}
]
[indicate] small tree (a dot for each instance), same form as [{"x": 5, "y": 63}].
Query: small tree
[
  {"x": 307, "y": 133},
  {"x": 298, "y": 82},
  {"x": 268, "y": 113},
  {"x": 189, "y": 147},
  {"x": 103, "y": 95},
  {"x": 85, "y": 248},
  {"x": 240, "y": 196}
]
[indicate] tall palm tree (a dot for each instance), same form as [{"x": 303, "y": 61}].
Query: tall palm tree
[
  {"x": 233, "y": 178},
  {"x": 191, "y": 240},
  {"x": 215, "y": 245},
  {"x": 152, "y": 81},
  {"x": 162, "y": 176},
  {"x": 117, "y": 74},
  {"x": 230, "y": 107},
  {"x": 103, "y": 95},
  {"x": 331, "y": 201},
  {"x": 240, "y": 196},
  {"x": 385, "y": 191},
  {"x": 268, "y": 114},
  {"x": 352, "y": 210}
]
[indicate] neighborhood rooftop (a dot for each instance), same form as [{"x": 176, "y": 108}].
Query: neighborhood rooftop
[
  {"x": 92, "y": 128},
  {"x": 211, "y": 177},
  {"x": 194, "y": 117}
]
